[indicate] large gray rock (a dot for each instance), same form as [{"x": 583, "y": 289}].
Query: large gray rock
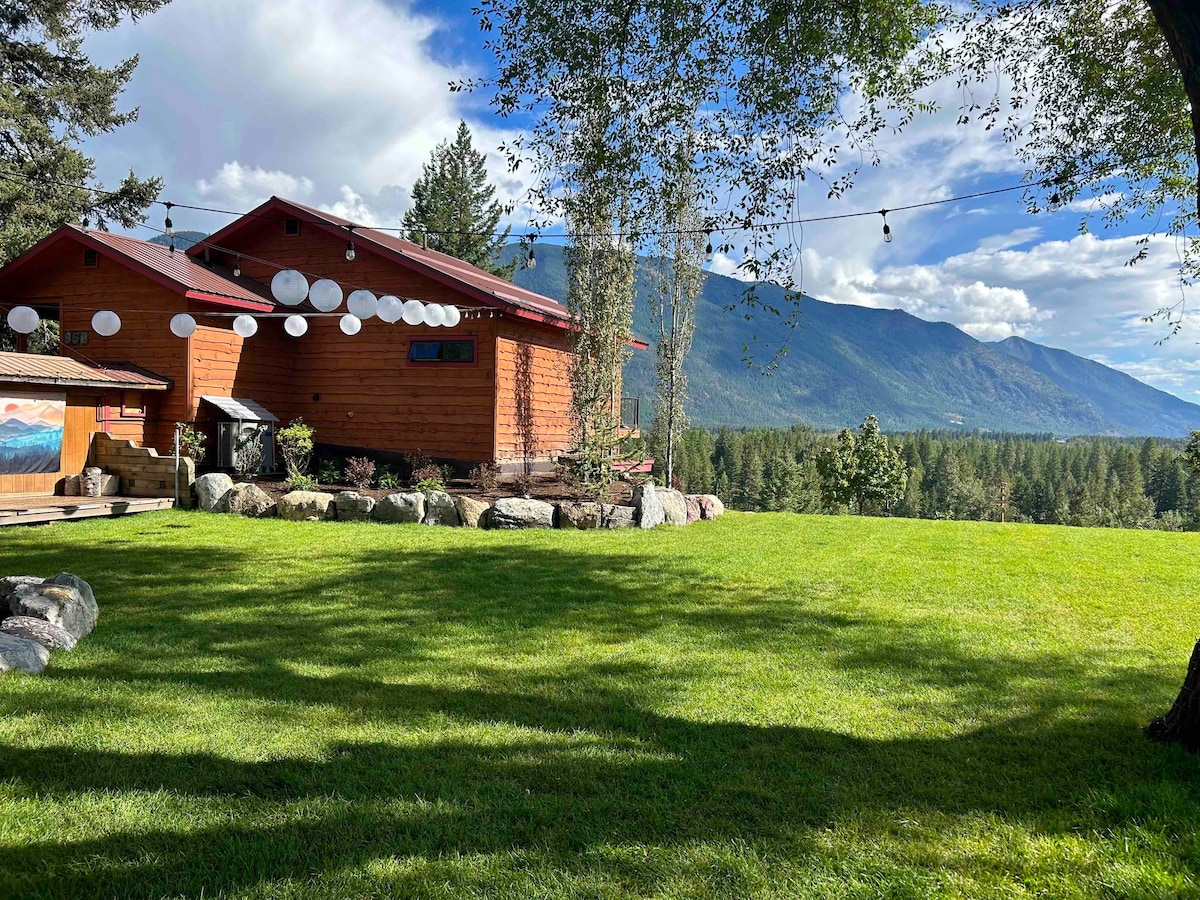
[
  {"x": 614, "y": 516},
  {"x": 440, "y": 509},
  {"x": 301, "y": 506},
  {"x": 517, "y": 512},
  {"x": 400, "y": 508},
  {"x": 63, "y": 605},
  {"x": 649, "y": 508},
  {"x": 210, "y": 489},
  {"x": 49, "y": 636},
  {"x": 247, "y": 500},
  {"x": 710, "y": 505},
  {"x": 9, "y": 585},
  {"x": 22, "y": 655},
  {"x": 674, "y": 506},
  {"x": 583, "y": 515},
  {"x": 470, "y": 511},
  {"x": 354, "y": 507}
]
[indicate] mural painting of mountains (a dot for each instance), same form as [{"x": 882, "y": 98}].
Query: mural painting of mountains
[
  {"x": 31, "y": 433},
  {"x": 845, "y": 362}
]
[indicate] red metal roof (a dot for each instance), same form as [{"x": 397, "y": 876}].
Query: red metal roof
[
  {"x": 186, "y": 271},
  {"x": 31, "y": 368}
]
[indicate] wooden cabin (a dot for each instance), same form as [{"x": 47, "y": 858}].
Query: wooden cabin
[{"x": 492, "y": 389}]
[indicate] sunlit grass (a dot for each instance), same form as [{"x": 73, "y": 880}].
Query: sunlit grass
[{"x": 767, "y": 706}]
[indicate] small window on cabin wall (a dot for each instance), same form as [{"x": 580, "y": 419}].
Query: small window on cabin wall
[
  {"x": 291, "y": 226},
  {"x": 91, "y": 258},
  {"x": 426, "y": 352},
  {"x": 132, "y": 405}
]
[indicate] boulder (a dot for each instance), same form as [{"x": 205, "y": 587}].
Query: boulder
[
  {"x": 583, "y": 515},
  {"x": 710, "y": 505},
  {"x": 613, "y": 516},
  {"x": 354, "y": 507},
  {"x": 9, "y": 585},
  {"x": 674, "y": 506},
  {"x": 470, "y": 511},
  {"x": 63, "y": 605},
  {"x": 693, "y": 508},
  {"x": 247, "y": 500},
  {"x": 306, "y": 506},
  {"x": 66, "y": 579},
  {"x": 22, "y": 654},
  {"x": 440, "y": 509},
  {"x": 517, "y": 512},
  {"x": 649, "y": 508},
  {"x": 400, "y": 508},
  {"x": 49, "y": 636},
  {"x": 210, "y": 489}
]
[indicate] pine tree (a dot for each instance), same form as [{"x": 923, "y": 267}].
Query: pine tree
[
  {"x": 51, "y": 97},
  {"x": 455, "y": 210}
]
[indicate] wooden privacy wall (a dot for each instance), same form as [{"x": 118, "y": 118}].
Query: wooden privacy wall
[{"x": 142, "y": 471}]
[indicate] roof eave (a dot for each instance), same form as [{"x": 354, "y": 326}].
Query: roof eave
[{"x": 84, "y": 383}]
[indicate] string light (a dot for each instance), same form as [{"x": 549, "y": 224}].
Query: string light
[
  {"x": 1056, "y": 202},
  {"x": 170, "y": 226},
  {"x": 237, "y": 267},
  {"x": 350, "y": 244},
  {"x": 531, "y": 262},
  {"x": 708, "y": 251},
  {"x": 887, "y": 229}
]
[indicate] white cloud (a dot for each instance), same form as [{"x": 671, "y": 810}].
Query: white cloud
[
  {"x": 240, "y": 187},
  {"x": 1006, "y": 241}
]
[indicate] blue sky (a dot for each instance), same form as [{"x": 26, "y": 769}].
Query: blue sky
[{"x": 337, "y": 104}]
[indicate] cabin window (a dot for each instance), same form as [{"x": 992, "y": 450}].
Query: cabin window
[
  {"x": 91, "y": 259},
  {"x": 424, "y": 352},
  {"x": 291, "y": 226}
]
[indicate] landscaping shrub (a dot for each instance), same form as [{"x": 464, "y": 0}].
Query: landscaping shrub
[
  {"x": 191, "y": 442},
  {"x": 248, "y": 451},
  {"x": 485, "y": 476},
  {"x": 360, "y": 472},
  {"x": 425, "y": 485},
  {"x": 296, "y": 446},
  {"x": 329, "y": 472},
  {"x": 301, "y": 482},
  {"x": 390, "y": 481}
]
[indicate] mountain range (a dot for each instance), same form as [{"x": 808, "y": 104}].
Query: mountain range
[{"x": 845, "y": 362}]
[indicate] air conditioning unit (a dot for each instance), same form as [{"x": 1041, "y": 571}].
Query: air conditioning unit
[{"x": 227, "y": 438}]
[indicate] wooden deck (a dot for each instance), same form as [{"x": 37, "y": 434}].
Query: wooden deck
[{"x": 39, "y": 510}]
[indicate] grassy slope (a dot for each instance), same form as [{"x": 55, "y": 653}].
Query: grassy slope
[{"x": 768, "y": 705}]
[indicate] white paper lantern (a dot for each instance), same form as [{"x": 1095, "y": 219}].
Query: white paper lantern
[
  {"x": 325, "y": 295},
  {"x": 289, "y": 287},
  {"x": 414, "y": 312},
  {"x": 183, "y": 325},
  {"x": 390, "y": 309},
  {"x": 23, "y": 319},
  {"x": 106, "y": 323},
  {"x": 296, "y": 326},
  {"x": 434, "y": 315},
  {"x": 453, "y": 316},
  {"x": 245, "y": 326},
  {"x": 350, "y": 324},
  {"x": 362, "y": 304}
]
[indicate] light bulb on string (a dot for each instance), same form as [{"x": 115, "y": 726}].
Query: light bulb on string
[
  {"x": 350, "y": 254},
  {"x": 170, "y": 227},
  {"x": 887, "y": 229},
  {"x": 708, "y": 251},
  {"x": 1056, "y": 202},
  {"x": 531, "y": 260},
  {"x": 237, "y": 268}
]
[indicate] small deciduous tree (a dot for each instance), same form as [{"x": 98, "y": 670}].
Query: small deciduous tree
[
  {"x": 296, "y": 446},
  {"x": 455, "y": 210},
  {"x": 863, "y": 469}
]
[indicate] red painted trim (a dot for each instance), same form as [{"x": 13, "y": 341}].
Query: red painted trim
[
  {"x": 205, "y": 297},
  {"x": 438, "y": 364},
  {"x": 125, "y": 412}
]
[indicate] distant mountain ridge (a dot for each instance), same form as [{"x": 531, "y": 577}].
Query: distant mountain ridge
[{"x": 845, "y": 362}]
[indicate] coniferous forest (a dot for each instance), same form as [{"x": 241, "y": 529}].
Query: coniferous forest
[{"x": 1086, "y": 481}]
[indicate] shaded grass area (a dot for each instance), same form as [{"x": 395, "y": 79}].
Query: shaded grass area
[{"x": 764, "y": 706}]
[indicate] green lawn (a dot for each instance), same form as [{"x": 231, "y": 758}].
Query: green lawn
[{"x": 764, "y": 706}]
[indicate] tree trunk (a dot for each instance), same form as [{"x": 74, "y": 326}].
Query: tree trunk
[
  {"x": 1181, "y": 724},
  {"x": 1179, "y": 21}
]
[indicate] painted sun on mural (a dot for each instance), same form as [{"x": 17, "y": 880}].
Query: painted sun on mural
[{"x": 31, "y": 433}]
